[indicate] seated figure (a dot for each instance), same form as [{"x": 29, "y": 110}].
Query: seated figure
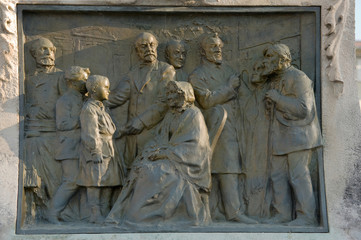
[{"x": 170, "y": 180}]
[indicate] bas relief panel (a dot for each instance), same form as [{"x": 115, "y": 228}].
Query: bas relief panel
[{"x": 141, "y": 120}]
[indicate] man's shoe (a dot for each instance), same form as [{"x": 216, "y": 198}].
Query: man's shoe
[
  {"x": 241, "y": 218},
  {"x": 302, "y": 221},
  {"x": 53, "y": 217},
  {"x": 277, "y": 219},
  {"x": 95, "y": 215}
]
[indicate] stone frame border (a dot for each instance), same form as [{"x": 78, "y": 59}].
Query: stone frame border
[{"x": 323, "y": 228}]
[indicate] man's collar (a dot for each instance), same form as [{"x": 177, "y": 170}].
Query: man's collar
[
  {"x": 211, "y": 64},
  {"x": 153, "y": 65},
  {"x": 279, "y": 73},
  {"x": 96, "y": 102},
  {"x": 45, "y": 69},
  {"x": 75, "y": 92}
]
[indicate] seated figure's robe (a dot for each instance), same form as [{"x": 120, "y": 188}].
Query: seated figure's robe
[{"x": 169, "y": 188}]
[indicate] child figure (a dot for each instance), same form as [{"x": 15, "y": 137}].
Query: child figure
[{"x": 97, "y": 169}]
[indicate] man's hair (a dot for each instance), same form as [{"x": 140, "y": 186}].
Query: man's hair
[
  {"x": 142, "y": 36},
  {"x": 173, "y": 42},
  {"x": 94, "y": 81},
  {"x": 282, "y": 50},
  {"x": 38, "y": 43},
  {"x": 207, "y": 38},
  {"x": 184, "y": 88},
  {"x": 76, "y": 73}
]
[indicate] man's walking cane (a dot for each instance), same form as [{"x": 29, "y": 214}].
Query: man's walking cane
[{"x": 269, "y": 151}]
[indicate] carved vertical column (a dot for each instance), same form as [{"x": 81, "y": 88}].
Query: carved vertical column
[
  {"x": 9, "y": 119},
  {"x": 335, "y": 22},
  {"x": 8, "y": 51}
]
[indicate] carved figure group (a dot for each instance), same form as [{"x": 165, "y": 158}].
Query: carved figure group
[
  {"x": 68, "y": 109},
  {"x": 184, "y": 164},
  {"x": 144, "y": 88}
]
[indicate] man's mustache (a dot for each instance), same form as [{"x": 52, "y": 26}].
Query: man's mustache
[
  {"x": 47, "y": 58},
  {"x": 149, "y": 53}
]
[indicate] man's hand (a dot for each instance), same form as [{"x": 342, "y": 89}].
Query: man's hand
[
  {"x": 157, "y": 154},
  {"x": 38, "y": 113},
  {"x": 233, "y": 81},
  {"x": 120, "y": 132},
  {"x": 268, "y": 104},
  {"x": 135, "y": 126},
  {"x": 97, "y": 158},
  {"x": 273, "y": 95}
]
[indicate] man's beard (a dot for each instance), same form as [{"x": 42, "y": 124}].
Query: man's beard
[
  {"x": 150, "y": 57},
  {"x": 262, "y": 70},
  {"x": 269, "y": 68},
  {"x": 178, "y": 105},
  {"x": 178, "y": 63},
  {"x": 216, "y": 59},
  {"x": 46, "y": 62}
]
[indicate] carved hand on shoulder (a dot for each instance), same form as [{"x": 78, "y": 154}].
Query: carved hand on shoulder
[{"x": 97, "y": 159}]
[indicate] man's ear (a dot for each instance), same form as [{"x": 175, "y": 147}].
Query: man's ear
[
  {"x": 203, "y": 53},
  {"x": 33, "y": 53}
]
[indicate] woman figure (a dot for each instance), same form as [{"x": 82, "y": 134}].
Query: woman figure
[{"x": 170, "y": 180}]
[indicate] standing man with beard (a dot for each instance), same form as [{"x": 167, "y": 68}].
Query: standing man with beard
[
  {"x": 43, "y": 89},
  {"x": 215, "y": 83},
  {"x": 144, "y": 87},
  {"x": 295, "y": 132}
]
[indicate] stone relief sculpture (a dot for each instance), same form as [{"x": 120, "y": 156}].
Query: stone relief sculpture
[
  {"x": 170, "y": 179},
  {"x": 211, "y": 149},
  {"x": 68, "y": 109},
  {"x": 175, "y": 53},
  {"x": 44, "y": 87}
]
